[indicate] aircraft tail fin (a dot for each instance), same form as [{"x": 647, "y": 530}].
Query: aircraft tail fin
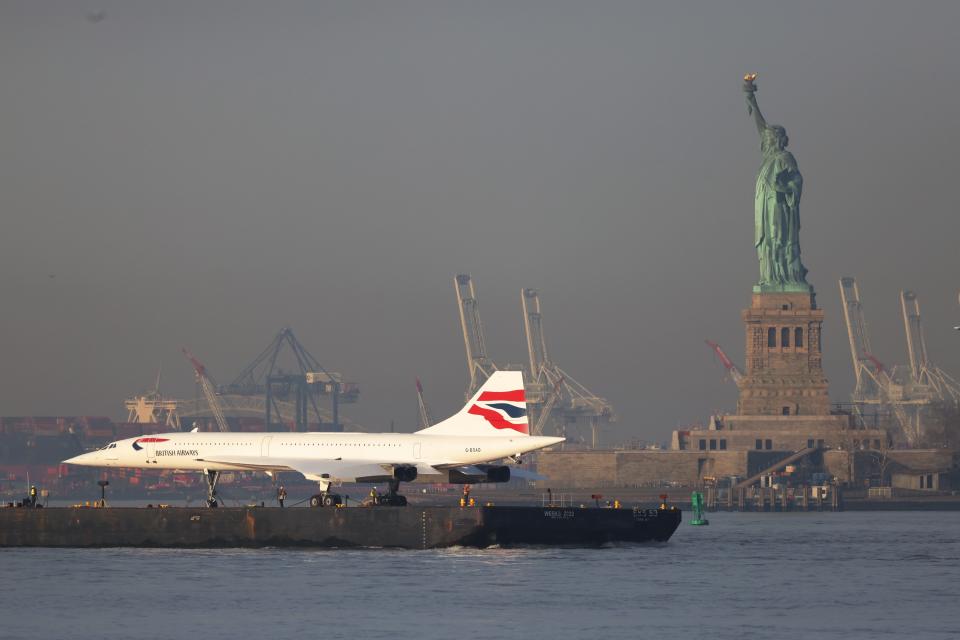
[{"x": 499, "y": 408}]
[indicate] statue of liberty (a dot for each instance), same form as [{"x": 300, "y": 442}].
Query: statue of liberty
[{"x": 776, "y": 206}]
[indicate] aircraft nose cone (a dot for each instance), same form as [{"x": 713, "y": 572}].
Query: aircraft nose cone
[{"x": 82, "y": 459}]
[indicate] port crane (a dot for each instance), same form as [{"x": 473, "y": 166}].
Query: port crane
[
  {"x": 422, "y": 409},
  {"x": 913, "y": 394},
  {"x": 875, "y": 384},
  {"x": 924, "y": 373},
  {"x": 553, "y": 396},
  {"x": 153, "y": 408},
  {"x": 208, "y": 390},
  {"x": 872, "y": 377},
  {"x": 480, "y": 366},
  {"x": 210, "y": 476},
  {"x": 731, "y": 368},
  {"x": 547, "y": 408},
  {"x": 552, "y": 392},
  {"x": 286, "y": 385}
]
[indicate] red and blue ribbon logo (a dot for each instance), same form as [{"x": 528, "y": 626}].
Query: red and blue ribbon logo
[
  {"x": 500, "y": 407},
  {"x": 136, "y": 443}
]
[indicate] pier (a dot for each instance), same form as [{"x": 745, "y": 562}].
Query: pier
[{"x": 804, "y": 498}]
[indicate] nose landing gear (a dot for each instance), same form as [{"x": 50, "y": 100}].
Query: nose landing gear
[{"x": 211, "y": 478}]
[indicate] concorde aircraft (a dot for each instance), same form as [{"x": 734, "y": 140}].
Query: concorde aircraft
[{"x": 491, "y": 427}]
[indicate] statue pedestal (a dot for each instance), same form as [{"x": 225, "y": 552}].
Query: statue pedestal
[
  {"x": 783, "y": 376},
  {"x": 784, "y": 405}
]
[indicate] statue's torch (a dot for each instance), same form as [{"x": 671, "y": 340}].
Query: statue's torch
[{"x": 751, "y": 89}]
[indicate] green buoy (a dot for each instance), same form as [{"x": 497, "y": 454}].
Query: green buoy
[{"x": 696, "y": 502}]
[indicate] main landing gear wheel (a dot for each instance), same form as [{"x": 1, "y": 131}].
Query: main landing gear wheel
[
  {"x": 392, "y": 498},
  {"x": 326, "y": 500}
]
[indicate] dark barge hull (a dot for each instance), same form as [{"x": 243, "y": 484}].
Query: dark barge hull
[{"x": 398, "y": 527}]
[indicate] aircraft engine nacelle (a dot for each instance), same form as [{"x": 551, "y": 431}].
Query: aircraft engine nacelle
[
  {"x": 405, "y": 473},
  {"x": 498, "y": 474},
  {"x": 491, "y": 474}
]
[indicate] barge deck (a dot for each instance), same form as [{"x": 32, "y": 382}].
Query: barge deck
[{"x": 420, "y": 527}]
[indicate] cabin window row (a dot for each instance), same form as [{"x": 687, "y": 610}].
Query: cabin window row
[
  {"x": 203, "y": 442},
  {"x": 289, "y": 444},
  {"x": 784, "y": 334},
  {"x": 337, "y": 444}
]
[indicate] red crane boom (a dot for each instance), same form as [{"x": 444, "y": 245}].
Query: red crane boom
[
  {"x": 735, "y": 372},
  {"x": 208, "y": 391}
]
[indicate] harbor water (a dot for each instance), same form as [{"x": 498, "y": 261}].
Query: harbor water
[{"x": 746, "y": 575}]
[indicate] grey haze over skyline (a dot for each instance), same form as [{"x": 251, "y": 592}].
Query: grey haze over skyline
[{"x": 205, "y": 173}]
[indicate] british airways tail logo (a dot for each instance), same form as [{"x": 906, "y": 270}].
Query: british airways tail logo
[
  {"x": 501, "y": 408},
  {"x": 136, "y": 443}
]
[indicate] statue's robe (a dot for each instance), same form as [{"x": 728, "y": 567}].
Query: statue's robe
[{"x": 777, "y": 219}]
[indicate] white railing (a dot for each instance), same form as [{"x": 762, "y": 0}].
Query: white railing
[{"x": 556, "y": 500}]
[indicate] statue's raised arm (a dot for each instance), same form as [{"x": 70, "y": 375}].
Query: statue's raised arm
[{"x": 752, "y": 107}]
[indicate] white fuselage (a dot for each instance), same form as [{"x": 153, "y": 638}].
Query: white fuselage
[{"x": 197, "y": 451}]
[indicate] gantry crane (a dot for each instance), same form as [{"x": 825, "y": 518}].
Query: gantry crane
[
  {"x": 909, "y": 393},
  {"x": 208, "y": 390},
  {"x": 284, "y": 385},
  {"x": 875, "y": 384},
  {"x": 928, "y": 389},
  {"x": 424, "y": 412},
  {"x": 550, "y": 390},
  {"x": 553, "y": 396},
  {"x": 153, "y": 408},
  {"x": 924, "y": 374},
  {"x": 547, "y": 408},
  {"x": 480, "y": 366},
  {"x": 872, "y": 378}
]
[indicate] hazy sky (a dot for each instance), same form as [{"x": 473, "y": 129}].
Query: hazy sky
[{"x": 204, "y": 173}]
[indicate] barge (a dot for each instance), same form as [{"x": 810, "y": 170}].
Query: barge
[{"x": 421, "y": 527}]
